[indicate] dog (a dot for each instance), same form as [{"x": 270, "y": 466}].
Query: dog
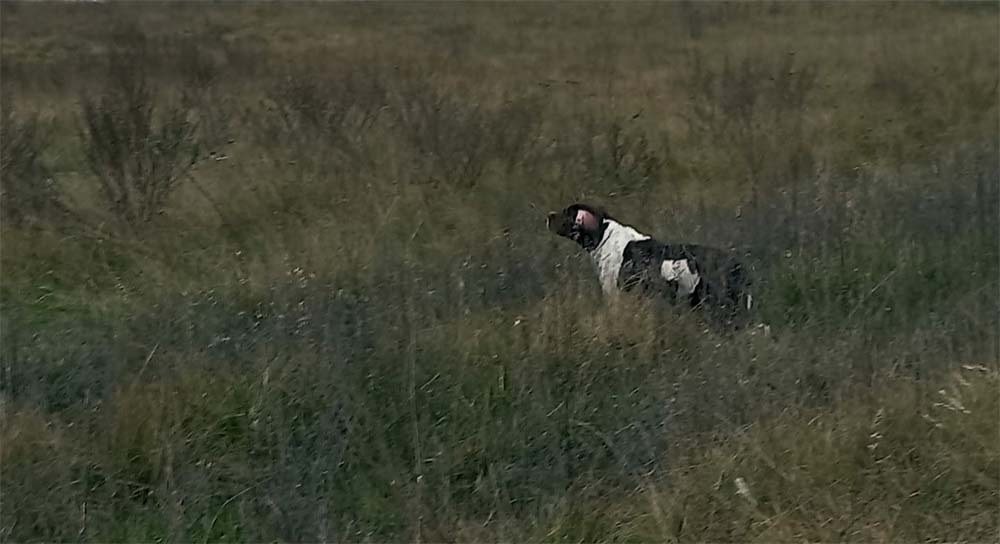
[{"x": 630, "y": 261}]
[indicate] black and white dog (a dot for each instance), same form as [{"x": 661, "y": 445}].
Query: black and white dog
[{"x": 628, "y": 260}]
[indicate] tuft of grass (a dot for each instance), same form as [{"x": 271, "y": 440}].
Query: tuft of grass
[
  {"x": 137, "y": 149},
  {"x": 853, "y": 474}
]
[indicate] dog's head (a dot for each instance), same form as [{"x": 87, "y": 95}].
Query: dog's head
[{"x": 581, "y": 223}]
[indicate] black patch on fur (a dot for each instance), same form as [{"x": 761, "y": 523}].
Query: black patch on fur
[
  {"x": 640, "y": 271},
  {"x": 724, "y": 283}
]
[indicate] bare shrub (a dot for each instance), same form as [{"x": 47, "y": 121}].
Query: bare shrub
[
  {"x": 137, "y": 144},
  {"x": 620, "y": 158},
  {"x": 753, "y": 108},
  {"x": 199, "y": 70},
  {"x": 29, "y": 194},
  {"x": 451, "y": 135},
  {"x": 388, "y": 124},
  {"x": 750, "y": 119},
  {"x": 517, "y": 131},
  {"x": 457, "y": 138},
  {"x": 335, "y": 111}
]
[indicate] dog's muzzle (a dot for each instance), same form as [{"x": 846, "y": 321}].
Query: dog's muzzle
[
  {"x": 549, "y": 219},
  {"x": 558, "y": 224}
]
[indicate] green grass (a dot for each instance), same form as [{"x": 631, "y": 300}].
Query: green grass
[{"x": 347, "y": 321}]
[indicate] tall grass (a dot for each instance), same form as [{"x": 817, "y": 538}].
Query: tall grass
[{"x": 345, "y": 320}]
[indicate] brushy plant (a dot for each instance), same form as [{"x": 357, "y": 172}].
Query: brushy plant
[
  {"x": 138, "y": 146},
  {"x": 213, "y": 110},
  {"x": 456, "y": 137},
  {"x": 619, "y": 158},
  {"x": 333, "y": 113},
  {"x": 28, "y": 194},
  {"x": 751, "y": 114}
]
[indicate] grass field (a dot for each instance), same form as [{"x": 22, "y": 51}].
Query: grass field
[{"x": 278, "y": 272}]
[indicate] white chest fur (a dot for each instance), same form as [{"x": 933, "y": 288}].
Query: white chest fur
[{"x": 609, "y": 253}]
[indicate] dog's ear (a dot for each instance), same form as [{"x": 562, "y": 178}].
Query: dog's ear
[
  {"x": 587, "y": 219},
  {"x": 579, "y": 222}
]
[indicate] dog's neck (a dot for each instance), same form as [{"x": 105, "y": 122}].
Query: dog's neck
[{"x": 607, "y": 255}]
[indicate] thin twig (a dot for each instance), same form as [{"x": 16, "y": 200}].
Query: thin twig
[
  {"x": 145, "y": 363},
  {"x": 870, "y": 293},
  {"x": 208, "y": 533}
]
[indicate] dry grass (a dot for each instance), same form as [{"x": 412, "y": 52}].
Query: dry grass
[{"x": 346, "y": 321}]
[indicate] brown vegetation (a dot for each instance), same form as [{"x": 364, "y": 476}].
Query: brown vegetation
[{"x": 276, "y": 272}]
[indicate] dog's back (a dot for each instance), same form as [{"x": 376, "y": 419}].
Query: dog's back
[{"x": 708, "y": 277}]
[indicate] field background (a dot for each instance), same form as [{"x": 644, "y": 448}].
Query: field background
[{"x": 279, "y": 272}]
